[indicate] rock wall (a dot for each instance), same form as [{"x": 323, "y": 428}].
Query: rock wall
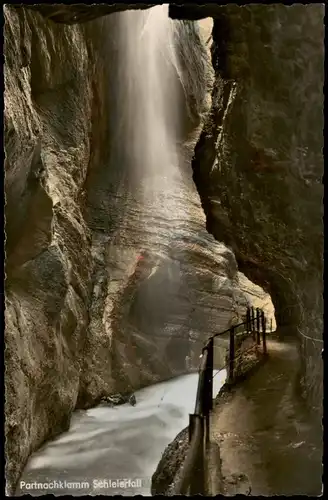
[
  {"x": 258, "y": 164},
  {"x": 103, "y": 293},
  {"x": 48, "y": 110}
]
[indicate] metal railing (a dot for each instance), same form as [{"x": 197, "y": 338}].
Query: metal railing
[{"x": 192, "y": 478}]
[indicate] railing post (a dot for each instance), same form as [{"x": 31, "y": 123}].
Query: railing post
[
  {"x": 253, "y": 322},
  {"x": 264, "y": 333},
  {"x": 231, "y": 354},
  {"x": 258, "y": 338},
  {"x": 208, "y": 389},
  {"x": 197, "y": 480},
  {"x": 248, "y": 321},
  {"x": 191, "y": 428}
]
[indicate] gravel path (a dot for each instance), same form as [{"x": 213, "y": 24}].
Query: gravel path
[{"x": 268, "y": 443}]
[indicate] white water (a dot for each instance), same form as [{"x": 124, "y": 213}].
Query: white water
[
  {"x": 116, "y": 443},
  {"x": 148, "y": 96}
]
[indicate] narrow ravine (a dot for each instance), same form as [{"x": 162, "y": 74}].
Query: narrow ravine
[
  {"x": 106, "y": 444},
  {"x": 163, "y": 173}
]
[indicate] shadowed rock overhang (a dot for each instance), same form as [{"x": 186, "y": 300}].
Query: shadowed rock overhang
[{"x": 80, "y": 13}]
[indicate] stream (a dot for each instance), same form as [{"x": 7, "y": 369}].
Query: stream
[{"x": 114, "y": 451}]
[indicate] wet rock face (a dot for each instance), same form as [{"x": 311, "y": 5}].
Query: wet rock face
[
  {"x": 48, "y": 98},
  {"x": 258, "y": 164}
]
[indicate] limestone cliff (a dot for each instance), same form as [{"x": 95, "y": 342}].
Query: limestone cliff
[
  {"x": 48, "y": 112},
  {"x": 105, "y": 290}
]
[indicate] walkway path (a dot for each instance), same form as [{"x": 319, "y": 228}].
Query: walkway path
[{"x": 268, "y": 445}]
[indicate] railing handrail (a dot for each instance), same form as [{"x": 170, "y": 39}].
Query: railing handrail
[
  {"x": 199, "y": 398},
  {"x": 244, "y": 323},
  {"x": 188, "y": 466},
  {"x": 204, "y": 401}
]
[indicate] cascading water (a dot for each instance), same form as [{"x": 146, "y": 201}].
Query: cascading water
[
  {"x": 114, "y": 451},
  {"x": 150, "y": 113},
  {"x": 149, "y": 94},
  {"x": 157, "y": 90},
  {"x": 151, "y": 101}
]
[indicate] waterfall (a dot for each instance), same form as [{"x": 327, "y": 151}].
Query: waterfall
[
  {"x": 160, "y": 73},
  {"x": 149, "y": 89}
]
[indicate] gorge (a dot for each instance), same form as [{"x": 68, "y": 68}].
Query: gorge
[{"x": 143, "y": 174}]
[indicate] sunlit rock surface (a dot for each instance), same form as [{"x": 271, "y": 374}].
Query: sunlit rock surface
[{"x": 48, "y": 107}]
